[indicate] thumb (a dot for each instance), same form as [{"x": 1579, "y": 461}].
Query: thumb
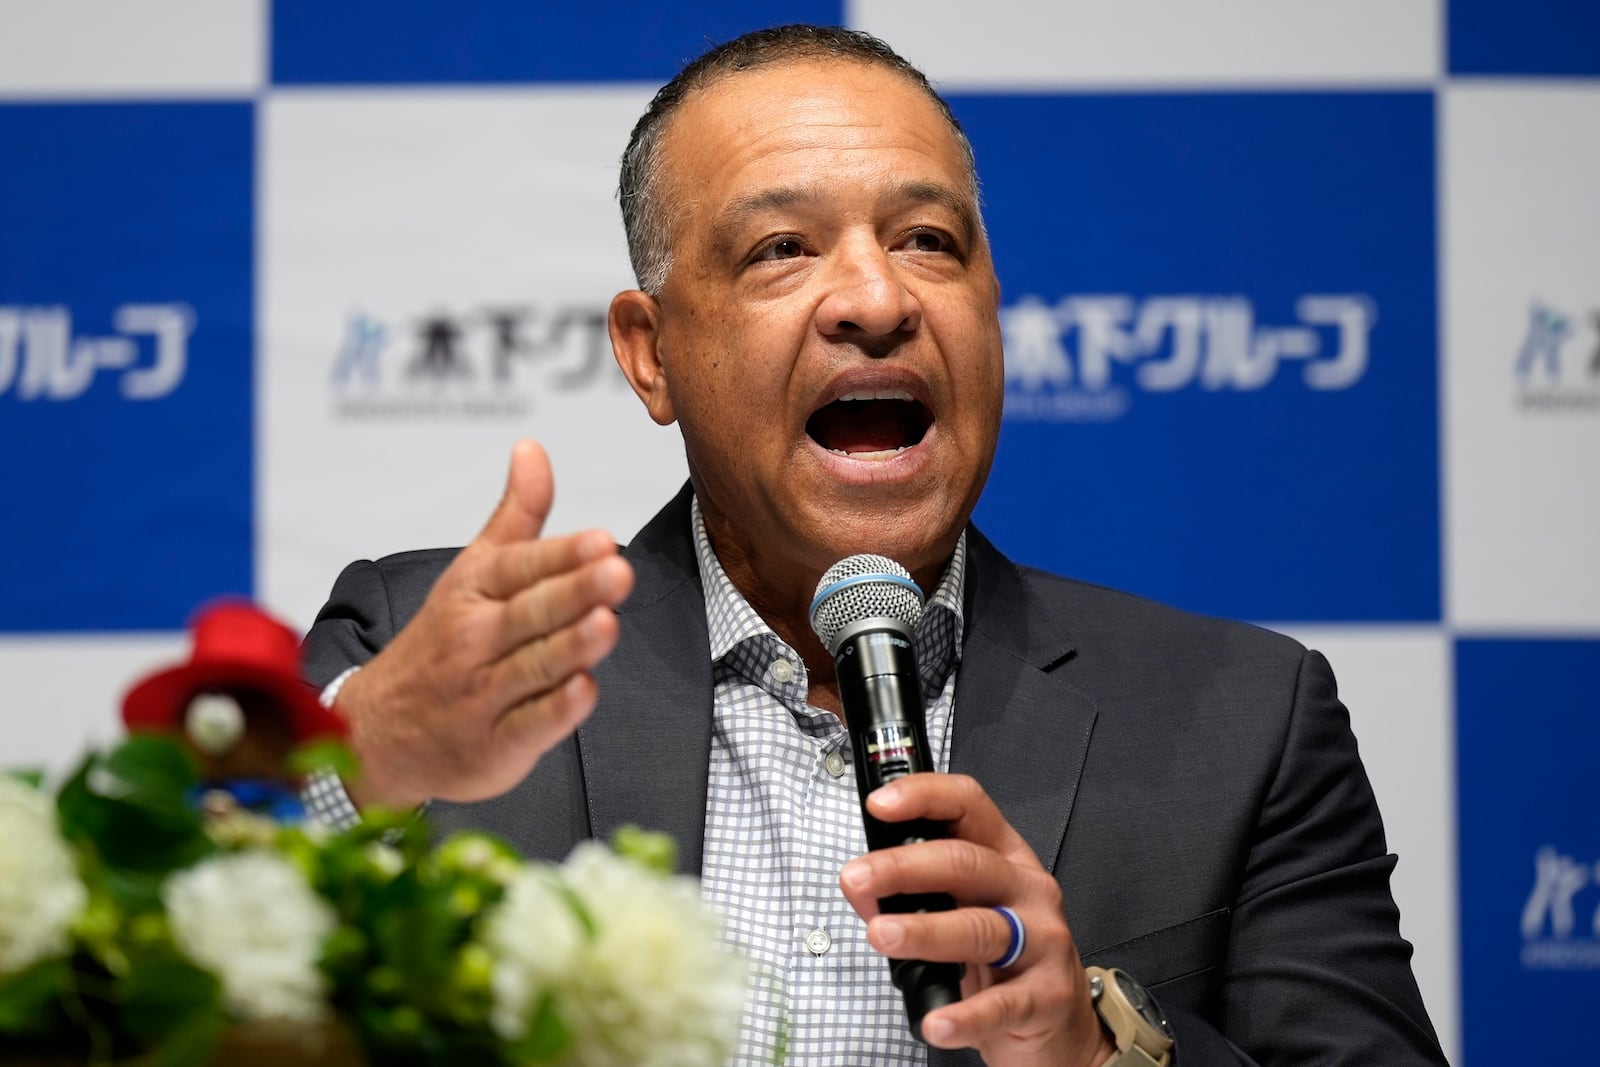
[{"x": 530, "y": 487}]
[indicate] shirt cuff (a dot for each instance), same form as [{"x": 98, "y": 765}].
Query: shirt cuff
[{"x": 327, "y": 803}]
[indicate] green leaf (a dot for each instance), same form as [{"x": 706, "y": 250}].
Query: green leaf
[
  {"x": 154, "y": 762},
  {"x": 344, "y": 956},
  {"x": 131, "y": 809},
  {"x": 580, "y": 910},
  {"x": 28, "y": 998},
  {"x": 328, "y": 756},
  {"x": 547, "y": 1038},
  {"x": 650, "y": 849},
  {"x": 164, "y": 993},
  {"x": 194, "y": 1043},
  {"x": 420, "y": 941},
  {"x": 32, "y": 776}
]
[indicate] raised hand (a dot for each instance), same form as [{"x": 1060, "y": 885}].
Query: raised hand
[{"x": 494, "y": 669}]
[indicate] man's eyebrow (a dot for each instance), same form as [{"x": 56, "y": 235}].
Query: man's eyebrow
[
  {"x": 741, "y": 209},
  {"x": 944, "y": 196}
]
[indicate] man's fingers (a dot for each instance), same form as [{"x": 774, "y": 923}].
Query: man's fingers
[
  {"x": 956, "y": 800},
  {"x": 512, "y": 569},
  {"x": 560, "y": 601},
  {"x": 546, "y": 663},
  {"x": 965, "y": 935},
  {"x": 534, "y": 725},
  {"x": 971, "y": 873},
  {"x": 530, "y": 488},
  {"x": 1023, "y": 1010}
]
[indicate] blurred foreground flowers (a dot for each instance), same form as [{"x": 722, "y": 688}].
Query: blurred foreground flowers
[{"x": 132, "y": 923}]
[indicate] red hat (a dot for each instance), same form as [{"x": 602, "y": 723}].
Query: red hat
[{"x": 235, "y": 644}]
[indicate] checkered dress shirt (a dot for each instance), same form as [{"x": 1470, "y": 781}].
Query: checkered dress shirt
[{"x": 782, "y": 817}]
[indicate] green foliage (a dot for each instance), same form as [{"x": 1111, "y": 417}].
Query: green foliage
[
  {"x": 650, "y": 849},
  {"x": 166, "y": 993},
  {"x": 547, "y": 1037},
  {"x": 32, "y": 776},
  {"x": 328, "y": 756},
  {"x": 29, "y": 998},
  {"x": 130, "y": 812},
  {"x": 193, "y": 1043},
  {"x": 405, "y": 962},
  {"x": 410, "y": 974}
]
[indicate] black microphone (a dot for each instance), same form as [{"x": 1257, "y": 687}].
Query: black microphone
[{"x": 865, "y": 611}]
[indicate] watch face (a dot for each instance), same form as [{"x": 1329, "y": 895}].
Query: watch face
[{"x": 1143, "y": 1003}]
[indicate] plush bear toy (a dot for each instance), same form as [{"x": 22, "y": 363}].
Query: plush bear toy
[{"x": 240, "y": 706}]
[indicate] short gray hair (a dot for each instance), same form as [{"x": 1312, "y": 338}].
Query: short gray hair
[{"x": 646, "y": 217}]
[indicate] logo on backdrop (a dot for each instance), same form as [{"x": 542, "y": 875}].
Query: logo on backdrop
[
  {"x": 1558, "y": 364},
  {"x": 485, "y": 363},
  {"x": 41, "y": 358},
  {"x": 1561, "y": 920},
  {"x": 1085, "y": 357}
]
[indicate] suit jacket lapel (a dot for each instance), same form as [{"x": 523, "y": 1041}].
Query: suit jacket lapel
[
  {"x": 1020, "y": 728},
  {"x": 646, "y": 751}
]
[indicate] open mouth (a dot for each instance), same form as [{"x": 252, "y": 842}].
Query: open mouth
[{"x": 870, "y": 424}]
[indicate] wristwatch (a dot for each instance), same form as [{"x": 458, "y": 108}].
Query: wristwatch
[{"x": 1132, "y": 1018}]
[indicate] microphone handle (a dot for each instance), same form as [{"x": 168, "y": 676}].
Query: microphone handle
[{"x": 882, "y": 699}]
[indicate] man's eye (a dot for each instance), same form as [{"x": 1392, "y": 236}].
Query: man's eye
[
  {"x": 929, "y": 241},
  {"x": 783, "y": 248}
]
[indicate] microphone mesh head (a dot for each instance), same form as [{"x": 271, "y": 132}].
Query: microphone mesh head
[{"x": 864, "y": 587}]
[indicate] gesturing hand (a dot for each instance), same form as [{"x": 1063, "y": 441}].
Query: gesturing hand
[
  {"x": 1035, "y": 1012},
  {"x": 494, "y": 669}
]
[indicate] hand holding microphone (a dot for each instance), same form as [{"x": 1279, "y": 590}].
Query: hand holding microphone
[
  {"x": 1027, "y": 998},
  {"x": 865, "y": 612}
]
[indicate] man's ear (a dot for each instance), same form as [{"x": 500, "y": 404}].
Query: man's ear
[{"x": 635, "y": 327}]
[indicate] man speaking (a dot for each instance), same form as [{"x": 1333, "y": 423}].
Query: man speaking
[{"x": 1174, "y": 801}]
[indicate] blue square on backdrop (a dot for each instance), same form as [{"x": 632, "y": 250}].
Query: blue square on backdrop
[
  {"x": 1533, "y": 37},
  {"x": 1220, "y": 347},
  {"x": 125, "y": 363},
  {"x": 1528, "y": 729},
  {"x": 424, "y": 41}
]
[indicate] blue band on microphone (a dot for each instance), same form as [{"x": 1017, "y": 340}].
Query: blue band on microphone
[
  {"x": 861, "y": 579},
  {"x": 1019, "y": 939}
]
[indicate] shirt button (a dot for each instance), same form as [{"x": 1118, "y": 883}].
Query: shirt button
[
  {"x": 818, "y": 941},
  {"x": 835, "y": 763},
  {"x": 782, "y": 671}
]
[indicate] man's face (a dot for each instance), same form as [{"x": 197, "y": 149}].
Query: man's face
[{"x": 827, "y": 336}]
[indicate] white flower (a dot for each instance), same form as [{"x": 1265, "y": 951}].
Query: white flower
[
  {"x": 251, "y": 919},
  {"x": 534, "y": 938},
  {"x": 655, "y": 987},
  {"x": 40, "y": 892}
]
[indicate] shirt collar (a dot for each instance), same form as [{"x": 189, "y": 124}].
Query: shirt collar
[{"x": 731, "y": 621}]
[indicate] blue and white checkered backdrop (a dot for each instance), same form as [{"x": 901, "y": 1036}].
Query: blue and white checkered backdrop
[{"x": 1302, "y": 306}]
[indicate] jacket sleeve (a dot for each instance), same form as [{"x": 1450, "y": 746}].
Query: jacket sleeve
[
  {"x": 1317, "y": 972},
  {"x": 352, "y": 626}
]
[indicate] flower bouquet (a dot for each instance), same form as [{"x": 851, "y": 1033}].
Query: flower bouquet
[{"x": 151, "y": 913}]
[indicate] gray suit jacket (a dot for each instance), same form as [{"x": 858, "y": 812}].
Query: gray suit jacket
[{"x": 1193, "y": 784}]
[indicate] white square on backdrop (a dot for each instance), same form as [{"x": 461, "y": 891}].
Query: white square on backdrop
[
  {"x": 1192, "y": 44},
  {"x": 435, "y": 270},
  {"x": 138, "y": 48},
  {"x": 64, "y": 693},
  {"x": 1520, "y": 271}
]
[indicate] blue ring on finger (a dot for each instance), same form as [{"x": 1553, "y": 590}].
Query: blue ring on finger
[{"x": 1019, "y": 938}]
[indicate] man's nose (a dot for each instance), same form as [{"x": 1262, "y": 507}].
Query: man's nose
[{"x": 866, "y": 295}]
